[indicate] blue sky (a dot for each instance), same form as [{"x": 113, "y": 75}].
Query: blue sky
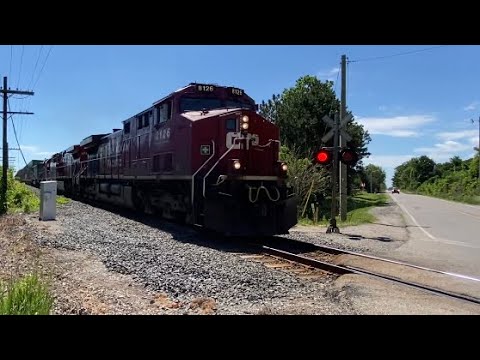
[{"x": 415, "y": 104}]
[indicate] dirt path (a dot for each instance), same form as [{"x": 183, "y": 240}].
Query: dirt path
[{"x": 79, "y": 281}]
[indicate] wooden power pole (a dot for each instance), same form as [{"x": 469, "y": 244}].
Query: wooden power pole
[
  {"x": 5, "y": 91},
  {"x": 343, "y": 142}
]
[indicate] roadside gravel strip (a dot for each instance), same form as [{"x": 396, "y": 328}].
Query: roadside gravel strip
[
  {"x": 183, "y": 264},
  {"x": 380, "y": 238}
]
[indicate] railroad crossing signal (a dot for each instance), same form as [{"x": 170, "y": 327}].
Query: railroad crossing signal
[
  {"x": 346, "y": 155},
  {"x": 331, "y": 123},
  {"x": 324, "y": 156}
]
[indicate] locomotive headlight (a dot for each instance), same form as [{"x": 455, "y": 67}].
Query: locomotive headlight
[
  {"x": 245, "y": 126},
  {"x": 245, "y": 119},
  {"x": 237, "y": 165},
  {"x": 284, "y": 167}
]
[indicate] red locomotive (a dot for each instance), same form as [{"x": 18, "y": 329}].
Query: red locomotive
[{"x": 202, "y": 155}]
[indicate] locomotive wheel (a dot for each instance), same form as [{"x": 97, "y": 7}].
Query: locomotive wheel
[{"x": 142, "y": 203}]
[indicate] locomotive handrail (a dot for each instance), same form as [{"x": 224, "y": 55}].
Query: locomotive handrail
[
  {"x": 200, "y": 168},
  {"x": 269, "y": 142},
  {"x": 221, "y": 157}
]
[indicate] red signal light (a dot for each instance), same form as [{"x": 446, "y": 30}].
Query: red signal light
[
  {"x": 348, "y": 157},
  {"x": 323, "y": 157}
]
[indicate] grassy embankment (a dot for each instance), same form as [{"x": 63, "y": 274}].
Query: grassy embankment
[{"x": 358, "y": 207}]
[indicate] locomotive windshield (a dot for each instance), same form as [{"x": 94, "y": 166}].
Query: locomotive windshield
[
  {"x": 199, "y": 104},
  {"x": 237, "y": 104}
]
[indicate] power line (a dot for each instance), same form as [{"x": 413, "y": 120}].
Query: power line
[
  {"x": 15, "y": 133},
  {"x": 40, "y": 73},
  {"x": 399, "y": 54},
  {"x": 16, "y": 138},
  {"x": 11, "y": 56},
  {"x": 20, "y": 69},
  {"x": 35, "y": 67},
  {"x": 336, "y": 81}
]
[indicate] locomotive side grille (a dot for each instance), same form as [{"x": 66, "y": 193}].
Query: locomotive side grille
[{"x": 163, "y": 162}]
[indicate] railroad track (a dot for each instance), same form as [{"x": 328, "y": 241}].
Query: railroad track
[{"x": 319, "y": 263}]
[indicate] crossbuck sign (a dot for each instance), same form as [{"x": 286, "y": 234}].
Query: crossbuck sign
[{"x": 331, "y": 123}]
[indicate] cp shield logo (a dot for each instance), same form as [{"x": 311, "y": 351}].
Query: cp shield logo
[{"x": 205, "y": 149}]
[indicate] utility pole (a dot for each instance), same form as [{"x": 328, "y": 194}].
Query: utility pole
[
  {"x": 6, "y": 92},
  {"x": 343, "y": 142},
  {"x": 478, "y": 148},
  {"x": 371, "y": 182}
]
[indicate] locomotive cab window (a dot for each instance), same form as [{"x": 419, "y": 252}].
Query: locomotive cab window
[
  {"x": 164, "y": 112},
  {"x": 150, "y": 118},
  {"x": 231, "y": 124},
  {"x": 146, "y": 119},
  {"x": 238, "y": 104},
  {"x": 199, "y": 104},
  {"x": 126, "y": 127}
]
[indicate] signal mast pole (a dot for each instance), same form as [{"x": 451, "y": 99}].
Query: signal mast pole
[
  {"x": 343, "y": 142},
  {"x": 333, "y": 222}
]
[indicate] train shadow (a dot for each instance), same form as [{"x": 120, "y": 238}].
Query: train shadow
[
  {"x": 198, "y": 236},
  {"x": 361, "y": 237},
  {"x": 185, "y": 233},
  {"x": 402, "y": 226}
]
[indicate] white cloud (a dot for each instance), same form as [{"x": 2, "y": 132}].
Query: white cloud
[
  {"x": 397, "y": 126},
  {"x": 456, "y": 135},
  {"x": 35, "y": 151},
  {"x": 472, "y": 106},
  {"x": 330, "y": 74},
  {"x": 45, "y": 153},
  {"x": 29, "y": 148},
  {"x": 454, "y": 143},
  {"x": 444, "y": 151}
]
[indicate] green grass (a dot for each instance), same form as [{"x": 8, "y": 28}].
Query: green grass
[
  {"x": 25, "y": 296},
  {"x": 62, "y": 200},
  {"x": 23, "y": 199},
  {"x": 358, "y": 207}
]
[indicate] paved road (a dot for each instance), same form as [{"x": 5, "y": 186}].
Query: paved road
[{"x": 445, "y": 233}]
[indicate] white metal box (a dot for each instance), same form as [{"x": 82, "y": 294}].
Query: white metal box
[{"x": 48, "y": 200}]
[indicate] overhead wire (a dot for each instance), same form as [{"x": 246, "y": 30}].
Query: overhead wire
[
  {"x": 43, "y": 66},
  {"x": 35, "y": 67},
  {"x": 11, "y": 56},
  {"x": 20, "y": 68},
  {"x": 15, "y": 133},
  {"x": 398, "y": 54}
]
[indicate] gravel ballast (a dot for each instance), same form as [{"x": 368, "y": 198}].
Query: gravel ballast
[{"x": 185, "y": 264}]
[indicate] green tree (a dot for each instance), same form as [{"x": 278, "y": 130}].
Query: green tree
[
  {"x": 412, "y": 173},
  {"x": 298, "y": 112},
  {"x": 373, "y": 177},
  {"x": 309, "y": 181},
  {"x": 473, "y": 167},
  {"x": 424, "y": 168},
  {"x": 456, "y": 179}
]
